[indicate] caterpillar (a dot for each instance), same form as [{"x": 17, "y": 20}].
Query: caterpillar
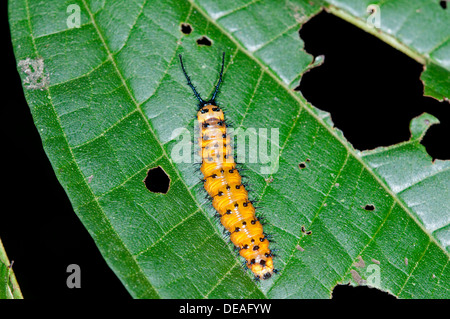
[{"x": 223, "y": 183}]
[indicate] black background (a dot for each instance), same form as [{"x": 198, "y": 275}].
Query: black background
[{"x": 372, "y": 91}]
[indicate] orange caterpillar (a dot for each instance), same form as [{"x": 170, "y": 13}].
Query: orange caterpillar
[{"x": 223, "y": 183}]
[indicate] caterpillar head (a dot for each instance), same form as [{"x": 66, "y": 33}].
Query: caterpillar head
[{"x": 210, "y": 111}]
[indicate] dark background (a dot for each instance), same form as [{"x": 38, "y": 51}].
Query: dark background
[{"x": 372, "y": 91}]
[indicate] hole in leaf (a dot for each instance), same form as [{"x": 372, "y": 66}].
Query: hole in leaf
[
  {"x": 363, "y": 293},
  {"x": 443, "y": 4},
  {"x": 204, "y": 40},
  {"x": 371, "y": 10},
  {"x": 369, "y": 207},
  {"x": 186, "y": 28},
  {"x": 306, "y": 232},
  {"x": 157, "y": 180},
  {"x": 372, "y": 90},
  {"x": 302, "y": 165}
]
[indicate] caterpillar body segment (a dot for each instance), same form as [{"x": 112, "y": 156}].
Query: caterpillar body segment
[{"x": 223, "y": 183}]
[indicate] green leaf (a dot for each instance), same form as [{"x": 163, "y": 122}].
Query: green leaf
[
  {"x": 418, "y": 28},
  {"x": 424, "y": 186},
  {"x": 9, "y": 288},
  {"x": 107, "y": 99}
]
